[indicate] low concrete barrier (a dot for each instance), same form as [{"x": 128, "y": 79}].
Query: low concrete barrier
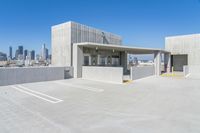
[
  {"x": 107, "y": 74},
  {"x": 186, "y": 70},
  {"x": 142, "y": 72},
  {"x": 10, "y": 76},
  {"x": 192, "y": 71}
]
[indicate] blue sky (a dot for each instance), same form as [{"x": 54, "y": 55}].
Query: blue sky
[{"x": 142, "y": 23}]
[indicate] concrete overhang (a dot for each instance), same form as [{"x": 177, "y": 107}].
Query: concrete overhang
[{"x": 128, "y": 49}]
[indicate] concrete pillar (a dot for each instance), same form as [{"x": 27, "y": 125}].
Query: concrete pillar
[
  {"x": 157, "y": 63},
  {"x": 77, "y": 60},
  {"x": 167, "y": 62},
  {"x": 124, "y": 61}
]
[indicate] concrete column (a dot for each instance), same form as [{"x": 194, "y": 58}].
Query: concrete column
[
  {"x": 77, "y": 60},
  {"x": 167, "y": 62},
  {"x": 157, "y": 63},
  {"x": 124, "y": 61}
]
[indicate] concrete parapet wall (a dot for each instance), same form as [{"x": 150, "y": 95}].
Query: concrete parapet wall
[
  {"x": 194, "y": 71},
  {"x": 186, "y": 70},
  {"x": 107, "y": 74},
  {"x": 10, "y": 76},
  {"x": 142, "y": 72}
]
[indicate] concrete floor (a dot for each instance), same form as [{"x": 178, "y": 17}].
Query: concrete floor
[{"x": 151, "y": 105}]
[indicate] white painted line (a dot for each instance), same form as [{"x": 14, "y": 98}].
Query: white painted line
[
  {"x": 25, "y": 90},
  {"x": 39, "y": 93},
  {"x": 80, "y": 87},
  {"x": 187, "y": 75}
]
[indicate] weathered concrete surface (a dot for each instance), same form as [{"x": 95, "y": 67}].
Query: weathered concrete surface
[
  {"x": 142, "y": 72},
  {"x": 152, "y": 105},
  {"x": 194, "y": 71},
  {"x": 106, "y": 74},
  {"x": 157, "y": 63},
  {"x": 64, "y": 35},
  {"x": 186, "y": 70},
  {"x": 10, "y": 76},
  {"x": 185, "y": 44}
]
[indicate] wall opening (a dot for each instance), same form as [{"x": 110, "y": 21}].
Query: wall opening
[{"x": 178, "y": 61}]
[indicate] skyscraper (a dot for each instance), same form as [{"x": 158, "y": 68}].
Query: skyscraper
[
  {"x": 32, "y": 54},
  {"x": 25, "y": 54},
  {"x": 47, "y": 54},
  {"x": 10, "y": 52},
  {"x": 44, "y": 52},
  {"x": 16, "y": 54},
  {"x": 3, "y": 56},
  {"x": 20, "y": 48}
]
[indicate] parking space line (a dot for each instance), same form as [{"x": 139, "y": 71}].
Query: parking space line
[
  {"x": 37, "y": 94},
  {"x": 80, "y": 87}
]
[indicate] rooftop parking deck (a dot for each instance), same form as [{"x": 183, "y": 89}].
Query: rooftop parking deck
[{"x": 151, "y": 105}]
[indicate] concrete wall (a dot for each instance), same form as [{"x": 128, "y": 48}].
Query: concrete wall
[
  {"x": 77, "y": 60},
  {"x": 157, "y": 63},
  {"x": 61, "y": 44},
  {"x": 106, "y": 74},
  {"x": 65, "y": 35},
  {"x": 142, "y": 72},
  {"x": 186, "y": 70},
  {"x": 194, "y": 71},
  {"x": 186, "y": 44},
  {"x": 82, "y": 33},
  {"x": 10, "y": 76}
]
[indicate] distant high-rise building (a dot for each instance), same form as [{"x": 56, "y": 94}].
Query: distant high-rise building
[
  {"x": 47, "y": 54},
  {"x": 32, "y": 55},
  {"x": 16, "y": 54},
  {"x": 3, "y": 56},
  {"x": 10, "y": 52},
  {"x": 20, "y": 48},
  {"x": 37, "y": 57},
  {"x": 44, "y": 52},
  {"x": 25, "y": 54}
]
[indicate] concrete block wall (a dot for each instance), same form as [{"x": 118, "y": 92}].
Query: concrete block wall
[
  {"x": 10, "y": 76},
  {"x": 142, "y": 72},
  {"x": 106, "y": 74}
]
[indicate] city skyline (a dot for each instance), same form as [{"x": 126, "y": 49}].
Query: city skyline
[
  {"x": 7, "y": 52},
  {"x": 23, "y": 53},
  {"x": 142, "y": 23}
]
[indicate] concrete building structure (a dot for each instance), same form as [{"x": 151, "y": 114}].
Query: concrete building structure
[
  {"x": 66, "y": 34},
  {"x": 84, "y": 47},
  {"x": 185, "y": 51}
]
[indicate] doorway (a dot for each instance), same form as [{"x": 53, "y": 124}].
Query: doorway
[{"x": 178, "y": 61}]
